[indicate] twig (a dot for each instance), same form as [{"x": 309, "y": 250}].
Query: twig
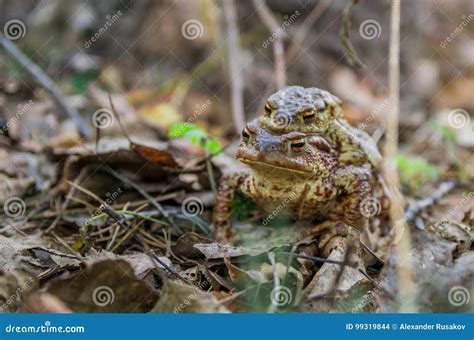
[
  {"x": 130, "y": 232},
  {"x": 345, "y": 36},
  {"x": 132, "y": 213},
  {"x": 44, "y": 81},
  {"x": 407, "y": 288},
  {"x": 210, "y": 172},
  {"x": 170, "y": 270},
  {"x": 64, "y": 243},
  {"x": 276, "y": 281},
  {"x": 235, "y": 73},
  {"x": 371, "y": 252},
  {"x": 312, "y": 258},
  {"x": 104, "y": 206},
  {"x": 149, "y": 198},
  {"x": 416, "y": 207},
  {"x": 64, "y": 206},
  {"x": 269, "y": 21}
]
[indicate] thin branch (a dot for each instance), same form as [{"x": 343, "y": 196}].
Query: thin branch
[
  {"x": 148, "y": 197},
  {"x": 235, "y": 72},
  {"x": 44, "y": 81},
  {"x": 407, "y": 288},
  {"x": 415, "y": 208},
  {"x": 345, "y": 36},
  {"x": 270, "y": 22}
]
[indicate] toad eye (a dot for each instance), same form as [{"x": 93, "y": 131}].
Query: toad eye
[
  {"x": 247, "y": 134},
  {"x": 297, "y": 145},
  {"x": 309, "y": 115},
  {"x": 268, "y": 110}
]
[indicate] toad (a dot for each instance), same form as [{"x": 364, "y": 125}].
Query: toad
[
  {"x": 315, "y": 111},
  {"x": 297, "y": 171}
]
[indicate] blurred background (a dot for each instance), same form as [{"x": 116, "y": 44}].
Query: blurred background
[{"x": 185, "y": 75}]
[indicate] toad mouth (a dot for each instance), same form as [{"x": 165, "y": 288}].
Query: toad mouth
[{"x": 248, "y": 161}]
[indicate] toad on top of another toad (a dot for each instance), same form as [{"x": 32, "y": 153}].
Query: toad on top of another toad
[
  {"x": 315, "y": 111},
  {"x": 298, "y": 169}
]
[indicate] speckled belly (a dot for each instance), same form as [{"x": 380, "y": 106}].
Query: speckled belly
[{"x": 300, "y": 202}]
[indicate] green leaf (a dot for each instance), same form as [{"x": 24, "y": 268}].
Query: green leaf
[
  {"x": 197, "y": 137},
  {"x": 415, "y": 172},
  {"x": 445, "y": 131},
  {"x": 241, "y": 206},
  {"x": 80, "y": 80},
  {"x": 213, "y": 146},
  {"x": 178, "y": 130}
]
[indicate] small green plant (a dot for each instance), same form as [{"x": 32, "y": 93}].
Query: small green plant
[
  {"x": 196, "y": 135},
  {"x": 416, "y": 172},
  {"x": 443, "y": 130},
  {"x": 241, "y": 206},
  {"x": 80, "y": 80}
]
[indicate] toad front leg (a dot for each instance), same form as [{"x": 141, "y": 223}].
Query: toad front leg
[
  {"x": 355, "y": 186},
  {"x": 228, "y": 186}
]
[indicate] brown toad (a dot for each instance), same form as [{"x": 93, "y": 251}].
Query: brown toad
[
  {"x": 297, "y": 171},
  {"x": 315, "y": 111}
]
